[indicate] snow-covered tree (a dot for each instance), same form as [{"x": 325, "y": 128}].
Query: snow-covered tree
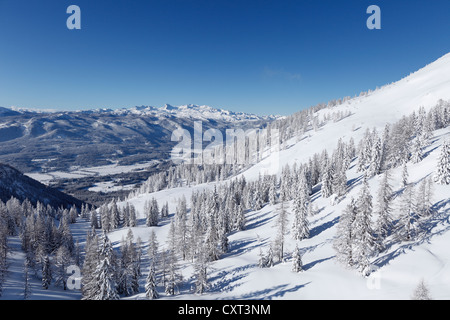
[
  {"x": 46, "y": 272},
  {"x": 375, "y": 158},
  {"x": 150, "y": 283},
  {"x": 63, "y": 260},
  {"x": 405, "y": 227},
  {"x": 421, "y": 292},
  {"x": 300, "y": 228},
  {"x": 201, "y": 272},
  {"x": 343, "y": 242},
  {"x": 362, "y": 231},
  {"x": 327, "y": 181},
  {"x": 297, "y": 265},
  {"x": 423, "y": 198},
  {"x": 405, "y": 175},
  {"x": 151, "y": 209},
  {"x": 384, "y": 222},
  {"x": 26, "y": 278},
  {"x": 91, "y": 260},
  {"x": 442, "y": 175},
  {"x": 105, "y": 274},
  {"x": 281, "y": 224}
]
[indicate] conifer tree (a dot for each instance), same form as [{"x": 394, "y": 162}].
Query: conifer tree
[
  {"x": 442, "y": 175},
  {"x": 384, "y": 222},
  {"x": 26, "y": 278},
  {"x": 362, "y": 231},
  {"x": 300, "y": 229},
  {"x": 421, "y": 292},
  {"x": 150, "y": 283},
  {"x": 281, "y": 223},
  {"x": 405, "y": 175},
  {"x": 46, "y": 272},
  {"x": 105, "y": 273},
  {"x": 62, "y": 262},
  {"x": 405, "y": 227},
  {"x": 343, "y": 242},
  {"x": 297, "y": 265},
  {"x": 91, "y": 260}
]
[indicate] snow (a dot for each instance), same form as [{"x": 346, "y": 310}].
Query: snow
[
  {"x": 396, "y": 271},
  {"x": 99, "y": 171}
]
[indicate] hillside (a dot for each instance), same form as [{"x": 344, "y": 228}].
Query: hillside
[
  {"x": 15, "y": 184},
  {"x": 396, "y": 271},
  {"x": 230, "y": 227}
]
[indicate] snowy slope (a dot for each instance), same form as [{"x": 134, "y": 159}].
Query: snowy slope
[
  {"x": 237, "y": 276},
  {"x": 388, "y": 104}
]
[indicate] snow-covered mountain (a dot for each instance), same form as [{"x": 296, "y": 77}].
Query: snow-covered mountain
[
  {"x": 395, "y": 272},
  {"x": 50, "y": 141},
  {"x": 15, "y": 184},
  {"x": 221, "y": 239}
]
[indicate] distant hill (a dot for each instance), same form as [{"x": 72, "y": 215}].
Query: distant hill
[{"x": 15, "y": 184}]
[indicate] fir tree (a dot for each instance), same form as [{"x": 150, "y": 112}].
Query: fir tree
[
  {"x": 405, "y": 175},
  {"x": 405, "y": 226},
  {"x": 62, "y": 262},
  {"x": 104, "y": 275},
  {"x": 421, "y": 292},
  {"x": 201, "y": 272},
  {"x": 300, "y": 226},
  {"x": 281, "y": 223},
  {"x": 88, "y": 283},
  {"x": 150, "y": 283},
  {"x": 343, "y": 242},
  {"x": 327, "y": 181},
  {"x": 26, "y": 278},
  {"x": 384, "y": 222},
  {"x": 362, "y": 232},
  {"x": 297, "y": 265},
  {"x": 442, "y": 175},
  {"x": 46, "y": 272}
]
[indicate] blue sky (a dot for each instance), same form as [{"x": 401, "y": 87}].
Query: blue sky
[{"x": 264, "y": 57}]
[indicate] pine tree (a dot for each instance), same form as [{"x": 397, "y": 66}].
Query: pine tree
[
  {"x": 417, "y": 154},
  {"x": 423, "y": 197},
  {"x": 91, "y": 260},
  {"x": 327, "y": 181},
  {"x": 281, "y": 224},
  {"x": 405, "y": 175},
  {"x": 262, "y": 261},
  {"x": 27, "y": 285},
  {"x": 384, "y": 222},
  {"x": 300, "y": 226},
  {"x": 362, "y": 232},
  {"x": 375, "y": 159},
  {"x": 105, "y": 273},
  {"x": 442, "y": 175},
  {"x": 201, "y": 272},
  {"x": 421, "y": 292},
  {"x": 405, "y": 227},
  {"x": 62, "y": 262},
  {"x": 297, "y": 265},
  {"x": 150, "y": 283},
  {"x": 46, "y": 272},
  {"x": 343, "y": 242},
  {"x": 174, "y": 278},
  {"x": 240, "y": 218}
]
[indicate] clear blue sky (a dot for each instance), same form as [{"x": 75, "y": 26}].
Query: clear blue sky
[{"x": 258, "y": 56}]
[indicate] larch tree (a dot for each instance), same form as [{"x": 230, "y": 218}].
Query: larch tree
[
  {"x": 384, "y": 222},
  {"x": 442, "y": 175}
]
